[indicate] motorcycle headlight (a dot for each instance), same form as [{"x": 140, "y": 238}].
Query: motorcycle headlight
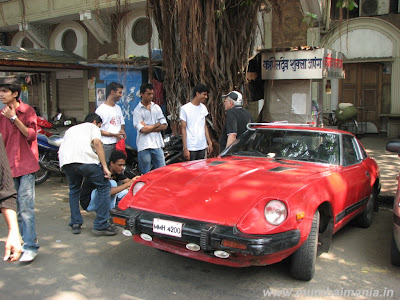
[
  {"x": 275, "y": 212},
  {"x": 137, "y": 187}
]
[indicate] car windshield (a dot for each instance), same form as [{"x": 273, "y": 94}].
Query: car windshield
[{"x": 313, "y": 146}]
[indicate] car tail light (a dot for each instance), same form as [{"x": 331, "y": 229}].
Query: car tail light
[
  {"x": 275, "y": 212},
  {"x": 137, "y": 187}
]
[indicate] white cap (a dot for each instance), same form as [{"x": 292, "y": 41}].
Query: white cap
[{"x": 235, "y": 96}]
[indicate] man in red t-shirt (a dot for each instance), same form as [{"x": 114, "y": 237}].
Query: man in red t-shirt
[{"x": 18, "y": 127}]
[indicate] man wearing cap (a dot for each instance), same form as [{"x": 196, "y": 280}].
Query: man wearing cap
[{"x": 236, "y": 119}]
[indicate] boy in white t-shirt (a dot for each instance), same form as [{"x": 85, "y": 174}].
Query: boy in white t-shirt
[
  {"x": 195, "y": 135},
  {"x": 113, "y": 126}
]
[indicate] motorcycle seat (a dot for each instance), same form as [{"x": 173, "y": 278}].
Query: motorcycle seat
[{"x": 54, "y": 140}]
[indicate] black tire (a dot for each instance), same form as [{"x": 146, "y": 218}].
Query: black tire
[
  {"x": 41, "y": 176},
  {"x": 394, "y": 253},
  {"x": 364, "y": 220},
  {"x": 302, "y": 265}
]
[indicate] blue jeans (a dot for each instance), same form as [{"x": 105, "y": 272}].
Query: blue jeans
[
  {"x": 94, "y": 173},
  {"x": 25, "y": 186},
  {"x": 150, "y": 157},
  {"x": 114, "y": 199}
]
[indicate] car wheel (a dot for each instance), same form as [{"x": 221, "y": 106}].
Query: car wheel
[
  {"x": 302, "y": 264},
  {"x": 365, "y": 219},
  {"x": 394, "y": 253}
]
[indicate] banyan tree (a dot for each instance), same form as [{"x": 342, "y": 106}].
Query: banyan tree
[{"x": 205, "y": 41}]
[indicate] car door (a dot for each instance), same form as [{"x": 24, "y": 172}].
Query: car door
[{"x": 355, "y": 176}]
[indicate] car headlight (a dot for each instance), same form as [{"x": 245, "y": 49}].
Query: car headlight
[
  {"x": 137, "y": 187},
  {"x": 275, "y": 212}
]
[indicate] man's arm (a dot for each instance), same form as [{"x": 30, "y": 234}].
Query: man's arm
[
  {"x": 13, "y": 248},
  {"x": 209, "y": 142},
  {"x": 28, "y": 132},
  {"x": 162, "y": 127},
  {"x": 126, "y": 185},
  {"x": 98, "y": 146},
  {"x": 109, "y": 134},
  {"x": 149, "y": 128},
  {"x": 231, "y": 128},
  {"x": 161, "y": 120},
  {"x": 231, "y": 139},
  {"x": 186, "y": 153}
]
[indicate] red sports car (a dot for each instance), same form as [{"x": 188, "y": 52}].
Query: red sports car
[{"x": 278, "y": 191}]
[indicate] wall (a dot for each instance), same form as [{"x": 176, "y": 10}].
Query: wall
[
  {"x": 288, "y": 30},
  {"x": 37, "y": 10}
]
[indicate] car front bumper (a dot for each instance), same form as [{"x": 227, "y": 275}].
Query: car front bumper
[{"x": 210, "y": 237}]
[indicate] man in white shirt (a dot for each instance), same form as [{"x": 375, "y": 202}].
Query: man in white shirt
[
  {"x": 81, "y": 157},
  {"x": 149, "y": 121},
  {"x": 113, "y": 126},
  {"x": 195, "y": 136}
]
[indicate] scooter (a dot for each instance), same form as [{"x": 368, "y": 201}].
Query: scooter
[{"x": 48, "y": 156}]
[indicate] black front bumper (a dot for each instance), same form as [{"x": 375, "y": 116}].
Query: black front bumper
[{"x": 208, "y": 235}]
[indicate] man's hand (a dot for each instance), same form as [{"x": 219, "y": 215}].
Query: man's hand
[
  {"x": 13, "y": 248},
  {"x": 9, "y": 111},
  {"x": 107, "y": 173},
  {"x": 120, "y": 135},
  {"x": 186, "y": 154}
]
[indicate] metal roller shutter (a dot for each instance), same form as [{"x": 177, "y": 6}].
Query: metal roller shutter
[{"x": 70, "y": 98}]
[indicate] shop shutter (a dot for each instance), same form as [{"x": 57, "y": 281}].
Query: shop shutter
[{"x": 70, "y": 98}]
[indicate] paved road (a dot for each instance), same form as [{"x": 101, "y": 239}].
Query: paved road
[{"x": 87, "y": 267}]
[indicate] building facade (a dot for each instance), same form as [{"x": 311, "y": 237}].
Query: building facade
[
  {"x": 111, "y": 38},
  {"x": 369, "y": 38},
  {"x": 367, "y": 35}
]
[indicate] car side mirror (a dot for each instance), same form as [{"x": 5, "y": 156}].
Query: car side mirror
[{"x": 393, "y": 146}]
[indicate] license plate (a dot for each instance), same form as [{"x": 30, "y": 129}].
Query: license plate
[{"x": 167, "y": 227}]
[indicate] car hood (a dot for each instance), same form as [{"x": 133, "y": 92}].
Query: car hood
[{"x": 221, "y": 190}]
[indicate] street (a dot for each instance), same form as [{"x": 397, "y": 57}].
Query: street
[{"x": 87, "y": 267}]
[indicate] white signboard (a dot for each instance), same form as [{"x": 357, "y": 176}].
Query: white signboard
[{"x": 302, "y": 64}]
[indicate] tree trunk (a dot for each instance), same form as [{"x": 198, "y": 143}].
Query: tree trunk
[{"x": 205, "y": 41}]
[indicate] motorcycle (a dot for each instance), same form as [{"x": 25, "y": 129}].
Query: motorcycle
[
  {"x": 173, "y": 153},
  {"x": 43, "y": 124},
  {"x": 48, "y": 156},
  {"x": 173, "y": 150}
]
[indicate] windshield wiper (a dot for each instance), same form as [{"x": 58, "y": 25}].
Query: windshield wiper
[
  {"x": 310, "y": 159},
  {"x": 250, "y": 153}
]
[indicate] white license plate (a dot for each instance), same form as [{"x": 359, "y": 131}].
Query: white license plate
[{"x": 167, "y": 227}]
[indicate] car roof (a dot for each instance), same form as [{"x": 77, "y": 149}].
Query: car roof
[{"x": 294, "y": 126}]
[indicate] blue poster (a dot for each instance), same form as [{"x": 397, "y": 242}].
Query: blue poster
[{"x": 131, "y": 80}]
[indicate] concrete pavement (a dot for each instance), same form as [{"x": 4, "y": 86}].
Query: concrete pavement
[{"x": 389, "y": 164}]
